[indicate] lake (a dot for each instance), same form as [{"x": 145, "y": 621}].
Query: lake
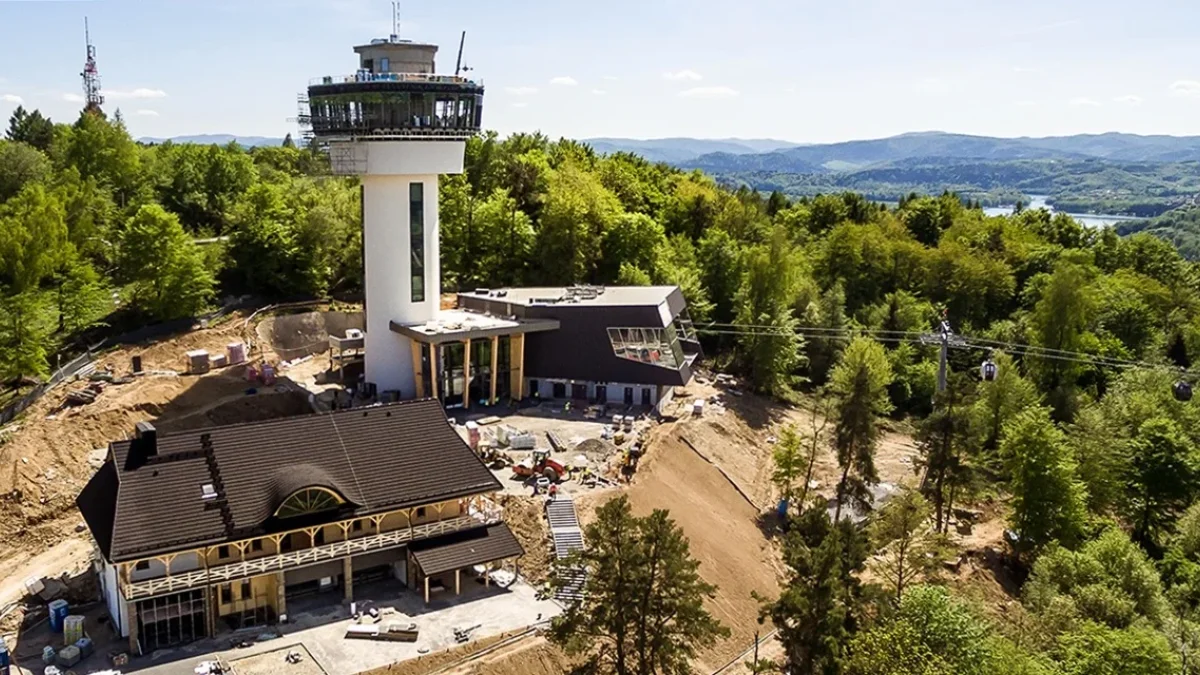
[{"x": 1039, "y": 202}]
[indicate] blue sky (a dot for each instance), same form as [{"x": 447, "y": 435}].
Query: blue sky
[{"x": 798, "y": 70}]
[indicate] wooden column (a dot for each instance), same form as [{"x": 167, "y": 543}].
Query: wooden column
[
  {"x": 280, "y": 594},
  {"x": 348, "y": 578},
  {"x": 418, "y": 369},
  {"x": 427, "y": 590},
  {"x": 433, "y": 370},
  {"x": 516, "y": 360},
  {"x": 487, "y": 577},
  {"x": 495, "y": 363},
  {"x": 456, "y": 586},
  {"x": 467, "y": 373},
  {"x": 131, "y": 612}
]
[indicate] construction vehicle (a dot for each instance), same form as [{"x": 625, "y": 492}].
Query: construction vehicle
[{"x": 540, "y": 464}]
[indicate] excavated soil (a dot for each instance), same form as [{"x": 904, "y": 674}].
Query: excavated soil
[
  {"x": 531, "y": 655},
  {"x": 526, "y": 518},
  {"x": 52, "y": 450}
]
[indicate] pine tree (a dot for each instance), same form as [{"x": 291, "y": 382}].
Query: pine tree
[
  {"x": 859, "y": 383},
  {"x": 642, "y": 611}
]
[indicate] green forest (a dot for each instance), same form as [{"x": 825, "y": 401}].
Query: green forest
[{"x": 1098, "y": 463}]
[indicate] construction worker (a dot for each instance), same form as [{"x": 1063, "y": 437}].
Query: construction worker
[{"x": 553, "y": 491}]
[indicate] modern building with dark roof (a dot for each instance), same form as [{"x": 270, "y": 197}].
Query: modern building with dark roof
[{"x": 220, "y": 526}]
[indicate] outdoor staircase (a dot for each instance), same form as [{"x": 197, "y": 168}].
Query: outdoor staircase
[{"x": 568, "y": 537}]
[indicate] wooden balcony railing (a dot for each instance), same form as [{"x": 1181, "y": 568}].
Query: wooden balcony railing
[{"x": 221, "y": 574}]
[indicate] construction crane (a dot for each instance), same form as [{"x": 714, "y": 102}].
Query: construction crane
[
  {"x": 92, "y": 97},
  {"x": 458, "y": 65}
]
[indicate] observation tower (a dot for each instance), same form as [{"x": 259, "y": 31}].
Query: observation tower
[{"x": 397, "y": 124}]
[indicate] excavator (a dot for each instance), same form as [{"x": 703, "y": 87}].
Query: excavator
[{"x": 540, "y": 464}]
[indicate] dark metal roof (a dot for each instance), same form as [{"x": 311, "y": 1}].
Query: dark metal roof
[
  {"x": 580, "y": 349},
  {"x": 462, "y": 549},
  {"x": 379, "y": 459}
]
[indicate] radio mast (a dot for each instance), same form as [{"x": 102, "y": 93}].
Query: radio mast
[{"x": 92, "y": 97}]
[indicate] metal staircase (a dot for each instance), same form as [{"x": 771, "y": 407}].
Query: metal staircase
[{"x": 568, "y": 537}]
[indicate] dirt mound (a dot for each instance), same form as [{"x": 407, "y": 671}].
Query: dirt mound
[
  {"x": 531, "y": 655},
  {"x": 525, "y": 518},
  {"x": 291, "y": 336},
  {"x": 595, "y": 449}
]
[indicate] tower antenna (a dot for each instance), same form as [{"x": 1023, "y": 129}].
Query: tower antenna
[
  {"x": 91, "y": 76},
  {"x": 395, "y": 20},
  {"x": 458, "y": 65}
]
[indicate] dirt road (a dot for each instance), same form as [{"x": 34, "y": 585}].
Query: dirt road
[{"x": 69, "y": 554}]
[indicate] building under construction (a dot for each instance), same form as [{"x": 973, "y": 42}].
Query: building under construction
[{"x": 214, "y": 529}]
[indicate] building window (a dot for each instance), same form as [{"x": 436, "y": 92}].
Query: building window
[
  {"x": 222, "y": 551},
  {"x": 246, "y": 590},
  {"x": 142, "y": 565},
  {"x": 319, "y": 537},
  {"x": 256, "y": 545},
  {"x": 646, "y": 396},
  {"x": 226, "y": 595},
  {"x": 420, "y": 511},
  {"x": 308, "y": 501},
  {"x": 357, "y": 526},
  {"x": 416, "y": 238}
]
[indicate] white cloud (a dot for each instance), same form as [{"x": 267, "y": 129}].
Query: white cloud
[
  {"x": 1185, "y": 88},
  {"x": 564, "y": 81},
  {"x": 12, "y": 98},
  {"x": 599, "y": 92},
  {"x": 147, "y": 113},
  {"x": 610, "y": 78},
  {"x": 1129, "y": 99},
  {"x": 520, "y": 104},
  {"x": 1026, "y": 69},
  {"x": 140, "y": 92},
  {"x": 709, "y": 92},
  {"x": 521, "y": 91},
  {"x": 73, "y": 98},
  {"x": 683, "y": 75},
  {"x": 1025, "y": 103},
  {"x": 1085, "y": 101}
]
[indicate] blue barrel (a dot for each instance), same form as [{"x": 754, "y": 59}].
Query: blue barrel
[
  {"x": 5, "y": 660},
  {"x": 782, "y": 508},
  {"x": 58, "y": 613},
  {"x": 84, "y": 645}
]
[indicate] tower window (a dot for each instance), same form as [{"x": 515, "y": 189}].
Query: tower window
[{"x": 416, "y": 238}]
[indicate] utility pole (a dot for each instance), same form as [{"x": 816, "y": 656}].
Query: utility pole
[{"x": 945, "y": 339}]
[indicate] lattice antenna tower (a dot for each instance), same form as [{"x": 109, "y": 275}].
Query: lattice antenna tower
[{"x": 91, "y": 76}]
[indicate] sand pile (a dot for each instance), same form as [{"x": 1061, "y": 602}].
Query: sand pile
[{"x": 525, "y": 518}]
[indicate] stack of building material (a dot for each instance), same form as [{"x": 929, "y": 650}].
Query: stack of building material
[
  {"x": 237, "y": 352},
  {"x": 523, "y": 441},
  {"x": 198, "y": 361},
  {"x": 218, "y": 360},
  {"x": 68, "y": 656}
]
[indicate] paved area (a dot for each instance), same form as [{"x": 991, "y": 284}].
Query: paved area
[{"x": 321, "y": 632}]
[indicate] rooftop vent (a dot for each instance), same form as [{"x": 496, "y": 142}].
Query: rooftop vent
[
  {"x": 208, "y": 491},
  {"x": 482, "y": 291}
]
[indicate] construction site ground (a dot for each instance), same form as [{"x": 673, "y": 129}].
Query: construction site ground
[{"x": 712, "y": 472}]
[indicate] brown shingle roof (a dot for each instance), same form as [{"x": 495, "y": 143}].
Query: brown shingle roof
[
  {"x": 461, "y": 549},
  {"x": 378, "y": 459}
]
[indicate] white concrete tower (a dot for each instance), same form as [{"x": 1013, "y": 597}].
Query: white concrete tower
[{"x": 397, "y": 125}]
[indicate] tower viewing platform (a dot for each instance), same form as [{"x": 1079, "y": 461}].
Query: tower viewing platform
[{"x": 395, "y": 94}]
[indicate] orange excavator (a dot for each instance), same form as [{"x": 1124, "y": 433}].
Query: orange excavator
[{"x": 540, "y": 464}]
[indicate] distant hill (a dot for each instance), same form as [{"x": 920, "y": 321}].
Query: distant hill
[
  {"x": 679, "y": 150},
  {"x": 216, "y": 139},
  {"x": 935, "y": 145}
]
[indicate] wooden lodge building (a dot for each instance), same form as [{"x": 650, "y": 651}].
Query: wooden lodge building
[{"x": 217, "y": 528}]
